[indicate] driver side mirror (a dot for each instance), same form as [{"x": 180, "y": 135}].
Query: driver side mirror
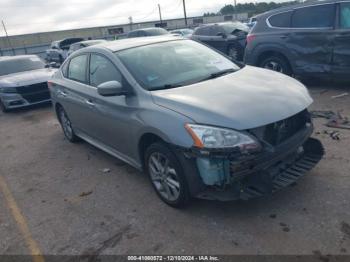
[
  {"x": 111, "y": 88},
  {"x": 52, "y": 65},
  {"x": 223, "y": 35}
]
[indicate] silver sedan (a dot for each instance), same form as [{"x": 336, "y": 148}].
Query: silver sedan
[{"x": 198, "y": 124}]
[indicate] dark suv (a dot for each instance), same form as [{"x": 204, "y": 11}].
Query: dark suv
[
  {"x": 309, "y": 40},
  {"x": 228, "y": 37}
]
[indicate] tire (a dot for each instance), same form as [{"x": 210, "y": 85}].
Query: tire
[
  {"x": 276, "y": 63},
  {"x": 168, "y": 180},
  {"x": 66, "y": 126},
  {"x": 3, "y": 108}
]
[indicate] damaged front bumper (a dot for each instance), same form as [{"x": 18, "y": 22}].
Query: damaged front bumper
[{"x": 229, "y": 176}]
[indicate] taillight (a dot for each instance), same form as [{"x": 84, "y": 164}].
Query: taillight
[{"x": 250, "y": 38}]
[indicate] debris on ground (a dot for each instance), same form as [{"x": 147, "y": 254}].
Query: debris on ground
[
  {"x": 335, "y": 135},
  {"x": 339, "y": 121},
  {"x": 322, "y": 114},
  {"x": 106, "y": 170},
  {"x": 84, "y": 194},
  {"x": 341, "y": 95},
  {"x": 336, "y": 120}
]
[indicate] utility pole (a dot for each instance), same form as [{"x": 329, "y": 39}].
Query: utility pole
[
  {"x": 160, "y": 16},
  {"x": 7, "y": 37},
  {"x": 184, "y": 4},
  {"x": 235, "y": 10},
  {"x": 130, "y": 22}
]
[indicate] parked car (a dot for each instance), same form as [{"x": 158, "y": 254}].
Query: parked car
[
  {"x": 23, "y": 81},
  {"x": 185, "y": 32},
  {"x": 251, "y": 22},
  {"x": 58, "y": 51},
  {"x": 152, "y": 31},
  {"x": 310, "y": 39},
  {"x": 194, "y": 121},
  {"x": 228, "y": 37},
  {"x": 82, "y": 44}
]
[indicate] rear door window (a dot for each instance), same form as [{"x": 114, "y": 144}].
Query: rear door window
[
  {"x": 281, "y": 20},
  {"x": 345, "y": 15},
  {"x": 203, "y": 31},
  {"x": 320, "y": 16},
  {"x": 102, "y": 70},
  {"x": 77, "y": 68}
]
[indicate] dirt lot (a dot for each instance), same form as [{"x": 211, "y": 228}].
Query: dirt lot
[{"x": 56, "y": 197}]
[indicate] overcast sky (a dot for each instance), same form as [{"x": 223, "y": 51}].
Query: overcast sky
[{"x": 28, "y": 16}]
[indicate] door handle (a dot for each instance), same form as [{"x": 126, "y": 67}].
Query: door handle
[
  {"x": 89, "y": 102},
  {"x": 62, "y": 93}
]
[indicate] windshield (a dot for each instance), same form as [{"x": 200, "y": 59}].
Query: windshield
[
  {"x": 232, "y": 27},
  {"x": 175, "y": 63},
  {"x": 20, "y": 65}
]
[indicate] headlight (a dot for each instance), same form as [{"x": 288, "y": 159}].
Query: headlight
[{"x": 213, "y": 137}]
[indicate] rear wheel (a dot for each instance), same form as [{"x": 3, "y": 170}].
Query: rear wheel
[
  {"x": 66, "y": 125},
  {"x": 166, "y": 175},
  {"x": 276, "y": 63}
]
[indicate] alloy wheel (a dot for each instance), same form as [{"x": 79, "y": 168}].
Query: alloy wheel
[
  {"x": 164, "y": 176},
  {"x": 275, "y": 66},
  {"x": 233, "y": 53}
]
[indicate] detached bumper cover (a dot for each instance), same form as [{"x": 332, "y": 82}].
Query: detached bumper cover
[
  {"x": 284, "y": 173},
  {"x": 269, "y": 177}
]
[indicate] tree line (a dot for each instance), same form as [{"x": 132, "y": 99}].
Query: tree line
[{"x": 250, "y": 8}]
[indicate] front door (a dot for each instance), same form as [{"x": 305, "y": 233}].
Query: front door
[{"x": 109, "y": 117}]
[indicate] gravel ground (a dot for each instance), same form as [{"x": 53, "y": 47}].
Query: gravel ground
[{"x": 72, "y": 207}]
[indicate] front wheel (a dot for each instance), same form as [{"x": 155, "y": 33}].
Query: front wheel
[
  {"x": 3, "y": 107},
  {"x": 233, "y": 53},
  {"x": 166, "y": 175},
  {"x": 66, "y": 125},
  {"x": 276, "y": 63}
]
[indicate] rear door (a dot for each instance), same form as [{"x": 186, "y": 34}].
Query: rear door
[
  {"x": 74, "y": 94},
  {"x": 310, "y": 40},
  {"x": 341, "y": 54}
]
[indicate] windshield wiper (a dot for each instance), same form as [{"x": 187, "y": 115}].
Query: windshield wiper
[
  {"x": 218, "y": 74},
  {"x": 167, "y": 86}
]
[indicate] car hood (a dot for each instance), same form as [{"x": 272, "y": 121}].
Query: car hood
[
  {"x": 27, "y": 78},
  {"x": 248, "y": 98}
]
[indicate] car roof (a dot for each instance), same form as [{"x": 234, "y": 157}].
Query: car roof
[
  {"x": 90, "y": 41},
  {"x": 122, "y": 44},
  {"x": 291, "y": 7},
  {"x": 220, "y": 23},
  {"x": 17, "y": 57}
]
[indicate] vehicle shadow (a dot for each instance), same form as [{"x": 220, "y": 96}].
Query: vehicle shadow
[{"x": 28, "y": 108}]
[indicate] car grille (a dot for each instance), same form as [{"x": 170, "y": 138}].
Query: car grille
[
  {"x": 278, "y": 132},
  {"x": 34, "y": 93}
]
